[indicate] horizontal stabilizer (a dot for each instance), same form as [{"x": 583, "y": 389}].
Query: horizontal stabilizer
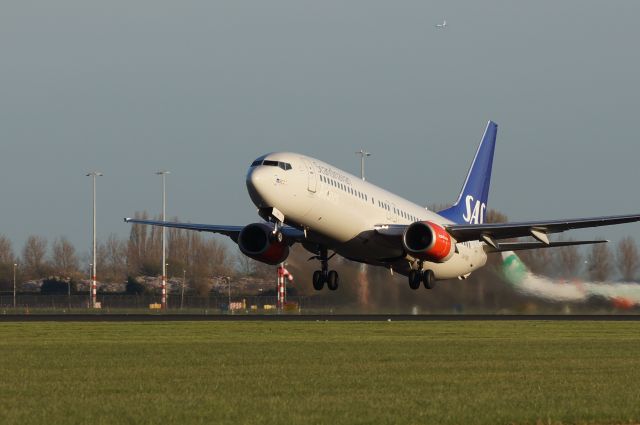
[{"x": 519, "y": 246}]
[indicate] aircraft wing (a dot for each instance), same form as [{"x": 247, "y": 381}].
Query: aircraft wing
[
  {"x": 231, "y": 231},
  {"x": 492, "y": 233},
  {"x": 537, "y": 229}
]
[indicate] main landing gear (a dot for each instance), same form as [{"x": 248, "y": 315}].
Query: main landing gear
[
  {"x": 424, "y": 276},
  {"x": 320, "y": 277}
]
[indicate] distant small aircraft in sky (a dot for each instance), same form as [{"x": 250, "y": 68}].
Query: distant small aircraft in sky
[{"x": 442, "y": 26}]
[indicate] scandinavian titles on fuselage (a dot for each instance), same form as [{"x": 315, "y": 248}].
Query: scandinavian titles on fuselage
[{"x": 330, "y": 172}]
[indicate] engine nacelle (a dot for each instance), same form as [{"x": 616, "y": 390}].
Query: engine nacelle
[
  {"x": 428, "y": 241},
  {"x": 257, "y": 241}
]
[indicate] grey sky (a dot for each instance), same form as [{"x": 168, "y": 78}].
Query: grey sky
[{"x": 203, "y": 87}]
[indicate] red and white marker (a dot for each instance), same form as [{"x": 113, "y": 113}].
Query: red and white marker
[{"x": 282, "y": 286}]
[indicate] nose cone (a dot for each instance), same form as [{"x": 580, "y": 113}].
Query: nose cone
[{"x": 258, "y": 179}]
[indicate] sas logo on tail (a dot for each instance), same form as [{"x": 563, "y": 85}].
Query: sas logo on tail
[{"x": 475, "y": 211}]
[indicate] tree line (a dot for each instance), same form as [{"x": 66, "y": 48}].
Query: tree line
[
  {"x": 199, "y": 257},
  {"x": 193, "y": 255}
]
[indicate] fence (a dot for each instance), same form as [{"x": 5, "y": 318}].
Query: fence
[{"x": 175, "y": 302}]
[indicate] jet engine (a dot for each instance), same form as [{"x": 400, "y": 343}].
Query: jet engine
[
  {"x": 428, "y": 241},
  {"x": 258, "y": 241}
]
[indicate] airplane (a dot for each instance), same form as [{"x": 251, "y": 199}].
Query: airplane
[
  {"x": 307, "y": 201},
  {"x": 622, "y": 295},
  {"x": 443, "y": 25}
]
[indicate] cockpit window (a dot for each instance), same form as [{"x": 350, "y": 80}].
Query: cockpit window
[{"x": 284, "y": 165}]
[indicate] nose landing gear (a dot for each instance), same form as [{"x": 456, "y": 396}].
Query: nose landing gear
[{"x": 320, "y": 277}]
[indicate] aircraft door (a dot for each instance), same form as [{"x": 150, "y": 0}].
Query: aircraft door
[{"x": 312, "y": 182}]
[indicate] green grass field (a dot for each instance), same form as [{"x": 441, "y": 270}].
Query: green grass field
[{"x": 320, "y": 372}]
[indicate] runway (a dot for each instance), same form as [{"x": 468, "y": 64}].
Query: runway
[{"x": 308, "y": 318}]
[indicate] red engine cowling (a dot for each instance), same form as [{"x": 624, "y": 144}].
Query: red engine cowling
[
  {"x": 257, "y": 241},
  {"x": 428, "y": 241}
]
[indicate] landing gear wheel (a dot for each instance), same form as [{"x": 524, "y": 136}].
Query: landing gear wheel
[
  {"x": 333, "y": 280},
  {"x": 414, "y": 279},
  {"x": 318, "y": 280},
  {"x": 428, "y": 279}
]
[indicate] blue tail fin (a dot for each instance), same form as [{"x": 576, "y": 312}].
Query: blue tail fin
[{"x": 472, "y": 202}]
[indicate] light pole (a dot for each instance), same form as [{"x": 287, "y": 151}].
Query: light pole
[
  {"x": 164, "y": 173},
  {"x": 184, "y": 280},
  {"x": 229, "y": 283},
  {"x": 15, "y": 265},
  {"x": 90, "y": 268},
  {"x": 93, "y": 289},
  {"x": 362, "y": 154}
]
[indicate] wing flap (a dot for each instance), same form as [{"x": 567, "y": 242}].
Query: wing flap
[{"x": 519, "y": 246}]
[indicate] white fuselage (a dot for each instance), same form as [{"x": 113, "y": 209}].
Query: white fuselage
[{"x": 341, "y": 210}]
